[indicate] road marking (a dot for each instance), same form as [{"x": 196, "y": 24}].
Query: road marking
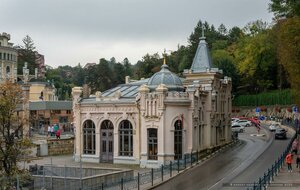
[{"x": 257, "y": 135}]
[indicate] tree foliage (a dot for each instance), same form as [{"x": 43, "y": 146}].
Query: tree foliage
[
  {"x": 26, "y": 53},
  {"x": 255, "y": 60},
  {"x": 285, "y": 8},
  {"x": 289, "y": 51},
  {"x": 249, "y": 55},
  {"x": 12, "y": 147}
]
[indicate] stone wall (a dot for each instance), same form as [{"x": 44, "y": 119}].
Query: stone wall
[
  {"x": 277, "y": 111},
  {"x": 60, "y": 146}
]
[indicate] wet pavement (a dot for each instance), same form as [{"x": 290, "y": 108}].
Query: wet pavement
[{"x": 224, "y": 167}]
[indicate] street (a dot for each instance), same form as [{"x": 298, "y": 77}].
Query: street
[{"x": 242, "y": 164}]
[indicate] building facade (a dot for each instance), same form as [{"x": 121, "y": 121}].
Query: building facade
[
  {"x": 42, "y": 91},
  {"x": 156, "y": 120},
  {"x": 45, "y": 113},
  {"x": 8, "y": 59}
]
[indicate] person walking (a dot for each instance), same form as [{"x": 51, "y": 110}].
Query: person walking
[
  {"x": 289, "y": 161},
  {"x": 295, "y": 147},
  {"x": 49, "y": 130},
  {"x": 298, "y": 162},
  {"x": 56, "y": 127},
  {"x": 52, "y": 130},
  {"x": 58, "y": 134}
]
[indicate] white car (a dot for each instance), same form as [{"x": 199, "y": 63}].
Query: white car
[
  {"x": 274, "y": 126},
  {"x": 237, "y": 128},
  {"x": 233, "y": 120},
  {"x": 244, "y": 123}
]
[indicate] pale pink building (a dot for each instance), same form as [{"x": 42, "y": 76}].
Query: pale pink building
[{"x": 153, "y": 121}]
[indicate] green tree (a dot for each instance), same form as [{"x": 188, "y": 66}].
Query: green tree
[
  {"x": 119, "y": 74},
  {"x": 222, "y": 29},
  {"x": 255, "y": 58},
  {"x": 223, "y": 60},
  {"x": 288, "y": 32},
  {"x": 255, "y": 27},
  {"x": 127, "y": 67},
  {"x": 27, "y": 53},
  {"x": 235, "y": 34},
  {"x": 285, "y": 8},
  {"x": 148, "y": 66},
  {"x": 12, "y": 148},
  {"x": 28, "y": 43},
  {"x": 100, "y": 76}
]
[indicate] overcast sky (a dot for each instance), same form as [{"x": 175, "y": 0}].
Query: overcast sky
[{"x": 69, "y": 32}]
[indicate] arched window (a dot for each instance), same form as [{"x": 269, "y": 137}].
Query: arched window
[
  {"x": 178, "y": 140},
  {"x": 89, "y": 139},
  {"x": 7, "y": 72},
  {"x": 126, "y": 138}
]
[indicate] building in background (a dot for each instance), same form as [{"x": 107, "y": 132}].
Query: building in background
[
  {"x": 8, "y": 59},
  {"x": 156, "y": 120},
  {"x": 45, "y": 113},
  {"x": 40, "y": 65},
  {"x": 41, "y": 99},
  {"x": 42, "y": 91},
  {"x": 89, "y": 65}
]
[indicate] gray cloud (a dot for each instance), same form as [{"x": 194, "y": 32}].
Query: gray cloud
[{"x": 71, "y": 24}]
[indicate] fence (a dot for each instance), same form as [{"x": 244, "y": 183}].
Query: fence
[
  {"x": 57, "y": 178},
  {"x": 75, "y": 178},
  {"x": 16, "y": 182},
  {"x": 268, "y": 176}
]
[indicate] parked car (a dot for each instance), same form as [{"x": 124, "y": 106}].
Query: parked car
[
  {"x": 237, "y": 128},
  {"x": 274, "y": 126},
  {"x": 244, "y": 123},
  {"x": 280, "y": 133}
]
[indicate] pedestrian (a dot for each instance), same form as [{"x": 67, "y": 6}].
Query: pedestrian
[
  {"x": 298, "y": 161},
  {"x": 52, "y": 130},
  {"x": 295, "y": 147},
  {"x": 49, "y": 130},
  {"x": 58, "y": 134},
  {"x": 56, "y": 127},
  {"x": 288, "y": 161}
]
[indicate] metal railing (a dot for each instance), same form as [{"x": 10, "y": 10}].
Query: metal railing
[
  {"x": 268, "y": 177},
  {"x": 50, "y": 177}
]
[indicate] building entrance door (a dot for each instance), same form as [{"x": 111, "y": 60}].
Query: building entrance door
[{"x": 107, "y": 141}]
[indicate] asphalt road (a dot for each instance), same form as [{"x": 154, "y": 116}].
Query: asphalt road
[{"x": 244, "y": 163}]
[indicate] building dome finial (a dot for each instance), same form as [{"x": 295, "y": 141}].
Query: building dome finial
[
  {"x": 164, "y": 55},
  {"x": 202, "y": 37}
]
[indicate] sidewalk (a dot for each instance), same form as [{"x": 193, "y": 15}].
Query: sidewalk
[
  {"x": 67, "y": 160},
  {"x": 286, "y": 180}
]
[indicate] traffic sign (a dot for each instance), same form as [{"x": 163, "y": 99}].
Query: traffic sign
[{"x": 257, "y": 109}]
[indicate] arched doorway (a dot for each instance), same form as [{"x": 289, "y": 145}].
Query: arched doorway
[
  {"x": 178, "y": 140},
  {"x": 107, "y": 141}
]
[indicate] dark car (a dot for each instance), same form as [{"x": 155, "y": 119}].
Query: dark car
[{"x": 280, "y": 133}]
